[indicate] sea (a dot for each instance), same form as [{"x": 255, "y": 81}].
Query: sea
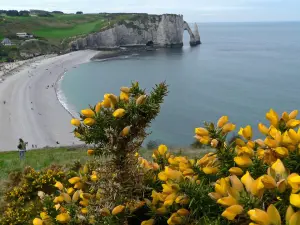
[{"x": 240, "y": 70}]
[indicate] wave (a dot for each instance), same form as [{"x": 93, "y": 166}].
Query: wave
[{"x": 63, "y": 99}]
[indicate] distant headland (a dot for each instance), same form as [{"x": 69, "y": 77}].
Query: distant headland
[
  {"x": 151, "y": 30},
  {"x": 26, "y": 34}
]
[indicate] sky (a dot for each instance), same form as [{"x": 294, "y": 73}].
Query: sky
[{"x": 193, "y": 10}]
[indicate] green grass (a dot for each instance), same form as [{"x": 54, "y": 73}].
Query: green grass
[
  {"x": 60, "y": 33},
  {"x": 60, "y": 26},
  {"x": 58, "y": 30},
  {"x": 57, "y": 27},
  {"x": 38, "y": 159}
]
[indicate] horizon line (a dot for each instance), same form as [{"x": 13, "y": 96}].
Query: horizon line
[{"x": 94, "y": 13}]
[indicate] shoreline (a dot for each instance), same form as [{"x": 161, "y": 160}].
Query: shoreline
[
  {"x": 100, "y": 56},
  {"x": 30, "y": 105},
  {"x": 58, "y": 89}
]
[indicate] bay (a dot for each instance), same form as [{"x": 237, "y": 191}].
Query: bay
[{"x": 241, "y": 70}]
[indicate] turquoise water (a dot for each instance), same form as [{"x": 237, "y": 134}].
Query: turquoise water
[{"x": 241, "y": 70}]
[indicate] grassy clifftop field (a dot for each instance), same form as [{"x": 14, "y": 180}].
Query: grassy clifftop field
[
  {"x": 58, "y": 27},
  {"x": 56, "y": 30}
]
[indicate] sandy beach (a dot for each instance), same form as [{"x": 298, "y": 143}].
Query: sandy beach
[{"x": 29, "y": 107}]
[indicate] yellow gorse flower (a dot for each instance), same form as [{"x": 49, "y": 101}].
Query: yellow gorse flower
[
  {"x": 113, "y": 100},
  {"x": 232, "y": 211},
  {"x": 125, "y": 131},
  {"x": 259, "y": 216},
  {"x": 94, "y": 176},
  {"x": 272, "y": 116},
  {"x": 75, "y": 122},
  {"x": 222, "y": 121},
  {"x": 228, "y": 127},
  {"x": 293, "y": 114},
  {"x": 141, "y": 100},
  {"x": 37, "y": 221},
  {"x": 76, "y": 196},
  {"x": 246, "y": 132},
  {"x": 98, "y": 107},
  {"x": 201, "y": 131},
  {"x": 44, "y": 216},
  {"x": 63, "y": 218},
  {"x": 162, "y": 149},
  {"x": 148, "y": 222},
  {"x": 243, "y": 161},
  {"x": 59, "y": 185},
  {"x": 74, "y": 180},
  {"x": 118, "y": 209},
  {"x": 125, "y": 90},
  {"x": 124, "y": 96},
  {"x": 263, "y": 129},
  {"x": 84, "y": 210},
  {"x": 70, "y": 191},
  {"x": 237, "y": 188},
  {"x": 90, "y": 152},
  {"x": 88, "y": 113},
  {"x": 119, "y": 113},
  {"x": 106, "y": 102},
  {"x": 236, "y": 171},
  {"x": 214, "y": 143},
  {"x": 58, "y": 199},
  {"x": 89, "y": 121}
]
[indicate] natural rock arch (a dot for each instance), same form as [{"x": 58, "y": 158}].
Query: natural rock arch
[
  {"x": 194, "y": 37},
  {"x": 163, "y": 30}
]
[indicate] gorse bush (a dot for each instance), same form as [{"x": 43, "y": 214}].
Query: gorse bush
[
  {"x": 241, "y": 181},
  {"x": 22, "y": 193},
  {"x": 116, "y": 127}
]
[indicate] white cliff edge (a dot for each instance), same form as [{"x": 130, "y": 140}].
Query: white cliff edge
[{"x": 161, "y": 30}]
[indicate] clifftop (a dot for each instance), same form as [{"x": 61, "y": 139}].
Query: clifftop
[
  {"x": 162, "y": 30},
  {"x": 91, "y": 31}
]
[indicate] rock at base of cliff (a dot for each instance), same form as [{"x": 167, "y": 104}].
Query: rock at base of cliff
[{"x": 195, "y": 43}]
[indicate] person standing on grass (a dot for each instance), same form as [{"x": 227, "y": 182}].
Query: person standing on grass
[{"x": 22, "y": 148}]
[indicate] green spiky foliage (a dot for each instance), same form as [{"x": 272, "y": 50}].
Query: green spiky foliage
[{"x": 107, "y": 138}]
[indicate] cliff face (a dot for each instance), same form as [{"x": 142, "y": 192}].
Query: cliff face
[{"x": 163, "y": 30}]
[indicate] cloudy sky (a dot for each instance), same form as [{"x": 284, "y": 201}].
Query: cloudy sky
[{"x": 193, "y": 10}]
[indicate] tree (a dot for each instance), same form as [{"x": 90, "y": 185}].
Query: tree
[
  {"x": 57, "y": 12},
  {"x": 24, "y": 13},
  {"x": 79, "y": 12},
  {"x": 12, "y": 13},
  {"x": 2, "y": 11}
]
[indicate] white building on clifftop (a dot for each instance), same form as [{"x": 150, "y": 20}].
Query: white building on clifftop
[
  {"x": 6, "y": 42},
  {"x": 24, "y": 35}
]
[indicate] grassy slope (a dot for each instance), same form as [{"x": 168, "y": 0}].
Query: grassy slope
[
  {"x": 59, "y": 27},
  {"x": 60, "y": 33},
  {"x": 54, "y": 29},
  {"x": 38, "y": 159}
]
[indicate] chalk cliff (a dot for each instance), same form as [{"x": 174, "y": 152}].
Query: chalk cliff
[{"x": 163, "y": 30}]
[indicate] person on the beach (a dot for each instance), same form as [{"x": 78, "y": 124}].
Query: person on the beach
[{"x": 22, "y": 148}]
